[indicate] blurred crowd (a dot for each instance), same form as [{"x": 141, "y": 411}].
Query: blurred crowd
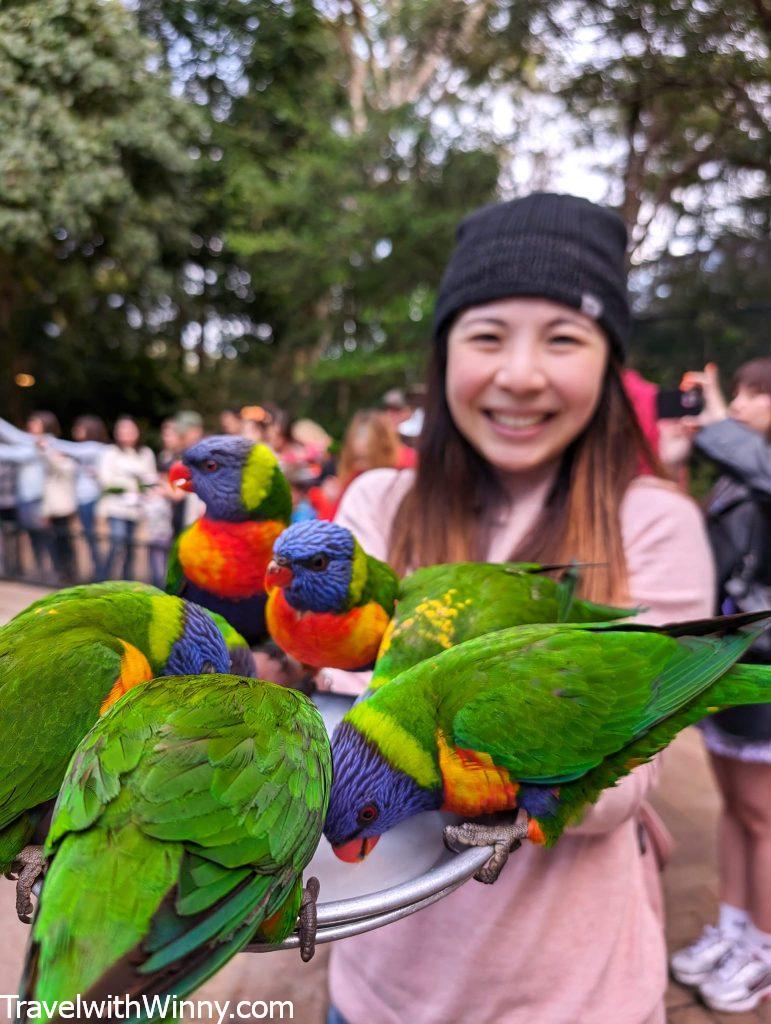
[{"x": 97, "y": 507}]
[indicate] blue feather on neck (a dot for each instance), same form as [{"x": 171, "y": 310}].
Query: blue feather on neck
[
  {"x": 361, "y": 776},
  {"x": 201, "y": 648}
]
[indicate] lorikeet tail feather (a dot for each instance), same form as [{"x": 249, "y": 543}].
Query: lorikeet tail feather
[
  {"x": 163, "y": 937},
  {"x": 718, "y": 626},
  {"x": 744, "y": 684},
  {"x": 65, "y": 958}
]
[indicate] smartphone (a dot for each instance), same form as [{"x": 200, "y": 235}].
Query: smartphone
[{"x": 672, "y": 405}]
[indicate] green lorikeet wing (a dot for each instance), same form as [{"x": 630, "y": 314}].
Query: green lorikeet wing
[
  {"x": 444, "y": 605},
  {"x": 175, "y": 574},
  {"x": 63, "y": 661},
  {"x": 574, "y": 696},
  {"x": 108, "y": 588},
  {"x": 194, "y": 806},
  {"x": 37, "y": 737}
]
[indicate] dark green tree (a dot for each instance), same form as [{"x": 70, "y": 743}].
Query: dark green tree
[{"x": 96, "y": 198}]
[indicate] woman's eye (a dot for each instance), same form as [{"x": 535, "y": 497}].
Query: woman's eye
[
  {"x": 367, "y": 814},
  {"x": 485, "y": 339},
  {"x": 564, "y": 339},
  {"x": 319, "y": 562},
  {"x": 210, "y": 465}
]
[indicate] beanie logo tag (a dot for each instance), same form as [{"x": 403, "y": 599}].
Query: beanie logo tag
[{"x": 591, "y": 305}]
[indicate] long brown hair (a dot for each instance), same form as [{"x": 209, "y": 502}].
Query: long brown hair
[{"x": 581, "y": 517}]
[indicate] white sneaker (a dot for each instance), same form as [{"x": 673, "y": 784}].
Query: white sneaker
[
  {"x": 739, "y": 983},
  {"x": 693, "y": 964}
]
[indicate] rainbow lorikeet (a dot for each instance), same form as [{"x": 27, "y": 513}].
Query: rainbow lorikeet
[
  {"x": 65, "y": 661},
  {"x": 220, "y": 560},
  {"x": 241, "y": 660},
  {"x": 192, "y": 807},
  {"x": 534, "y": 719},
  {"x": 328, "y": 601}
]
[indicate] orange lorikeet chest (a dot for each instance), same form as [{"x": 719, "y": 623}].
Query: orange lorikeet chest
[
  {"x": 349, "y": 640},
  {"x": 473, "y": 784},
  {"x": 134, "y": 669},
  {"x": 228, "y": 559}
]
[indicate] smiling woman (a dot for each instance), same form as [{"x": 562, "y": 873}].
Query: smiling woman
[{"x": 530, "y": 451}]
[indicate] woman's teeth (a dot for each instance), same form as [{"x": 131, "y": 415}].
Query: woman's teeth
[{"x": 517, "y": 422}]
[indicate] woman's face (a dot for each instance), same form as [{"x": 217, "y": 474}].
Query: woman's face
[
  {"x": 170, "y": 437},
  {"x": 127, "y": 433},
  {"x": 359, "y": 451},
  {"x": 524, "y": 377},
  {"x": 752, "y": 408}
]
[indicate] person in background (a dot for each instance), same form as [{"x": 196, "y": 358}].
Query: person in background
[
  {"x": 255, "y": 421},
  {"x": 410, "y": 431},
  {"x": 91, "y": 435},
  {"x": 277, "y": 432},
  {"x": 531, "y": 450},
  {"x": 302, "y": 478},
  {"x": 172, "y": 444},
  {"x": 172, "y": 441},
  {"x": 398, "y": 411},
  {"x": 642, "y": 394},
  {"x": 24, "y": 448},
  {"x": 731, "y": 962},
  {"x": 127, "y": 469},
  {"x": 58, "y": 509},
  {"x": 311, "y": 440},
  {"x": 184, "y": 507},
  {"x": 21, "y": 448},
  {"x": 230, "y": 421},
  {"x": 370, "y": 442},
  {"x": 9, "y": 534},
  {"x": 157, "y": 515},
  {"x": 189, "y": 425}
]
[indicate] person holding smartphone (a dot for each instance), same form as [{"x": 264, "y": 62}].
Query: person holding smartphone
[{"x": 731, "y": 962}]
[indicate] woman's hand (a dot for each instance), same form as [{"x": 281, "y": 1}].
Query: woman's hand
[
  {"x": 715, "y": 406},
  {"x": 675, "y": 443}
]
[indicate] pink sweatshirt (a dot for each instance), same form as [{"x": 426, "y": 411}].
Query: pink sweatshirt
[{"x": 570, "y": 935}]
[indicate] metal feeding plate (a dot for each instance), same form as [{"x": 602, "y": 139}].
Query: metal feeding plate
[
  {"x": 409, "y": 869},
  {"x": 341, "y": 918}
]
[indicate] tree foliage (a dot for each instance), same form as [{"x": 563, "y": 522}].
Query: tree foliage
[
  {"x": 95, "y": 199},
  {"x": 225, "y": 201}
]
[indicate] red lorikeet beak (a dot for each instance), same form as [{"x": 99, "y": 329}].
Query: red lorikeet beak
[
  {"x": 355, "y": 850},
  {"x": 179, "y": 476},
  {"x": 278, "y": 574}
]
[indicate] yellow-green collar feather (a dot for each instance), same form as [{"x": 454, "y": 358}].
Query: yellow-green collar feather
[
  {"x": 397, "y": 745},
  {"x": 165, "y": 626},
  {"x": 265, "y": 494},
  {"x": 359, "y": 572}
]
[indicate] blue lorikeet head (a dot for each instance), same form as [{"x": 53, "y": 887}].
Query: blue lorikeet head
[
  {"x": 236, "y": 478},
  {"x": 369, "y": 796},
  {"x": 201, "y": 648},
  {"x": 313, "y": 562}
]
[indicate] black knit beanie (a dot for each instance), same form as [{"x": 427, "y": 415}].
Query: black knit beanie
[{"x": 543, "y": 246}]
